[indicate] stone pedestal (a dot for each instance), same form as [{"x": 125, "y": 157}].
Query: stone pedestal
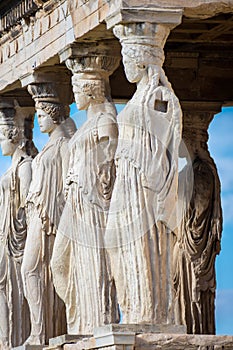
[
  {"x": 115, "y": 337},
  {"x": 112, "y": 337},
  {"x": 151, "y": 337}
]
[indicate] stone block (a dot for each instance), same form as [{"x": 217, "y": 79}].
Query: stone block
[
  {"x": 182, "y": 342},
  {"x": 30, "y": 347},
  {"x": 84, "y": 344},
  {"x": 65, "y": 339}
]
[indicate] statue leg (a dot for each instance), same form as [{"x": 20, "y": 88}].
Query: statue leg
[
  {"x": 32, "y": 279},
  {"x": 62, "y": 271},
  {"x": 4, "y": 314}
]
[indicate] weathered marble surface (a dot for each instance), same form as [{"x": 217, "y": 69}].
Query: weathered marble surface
[
  {"x": 80, "y": 266},
  {"x": 142, "y": 214},
  {"x": 15, "y": 138},
  {"x": 199, "y": 233},
  {"x": 183, "y": 342},
  {"x": 139, "y": 238},
  {"x": 45, "y": 202},
  {"x": 166, "y": 341},
  {"x": 63, "y": 22}
]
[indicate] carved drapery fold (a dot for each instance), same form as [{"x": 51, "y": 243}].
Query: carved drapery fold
[
  {"x": 90, "y": 297},
  {"x": 199, "y": 233},
  {"x": 51, "y": 90},
  {"x": 16, "y": 124},
  {"x": 141, "y": 217}
]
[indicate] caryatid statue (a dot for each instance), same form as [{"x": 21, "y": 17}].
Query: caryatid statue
[
  {"x": 16, "y": 125},
  {"x": 199, "y": 232},
  {"x": 142, "y": 213},
  {"x": 45, "y": 202},
  {"x": 80, "y": 266}
]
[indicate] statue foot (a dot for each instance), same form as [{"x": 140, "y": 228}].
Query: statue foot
[{"x": 34, "y": 340}]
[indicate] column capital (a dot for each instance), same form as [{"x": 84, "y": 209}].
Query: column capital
[
  {"x": 197, "y": 117},
  {"x": 93, "y": 58},
  {"x": 146, "y": 40},
  {"x": 19, "y": 104},
  {"x": 120, "y": 13},
  {"x": 108, "y": 48},
  {"x": 92, "y": 62},
  {"x": 49, "y": 84},
  {"x": 17, "y": 110}
]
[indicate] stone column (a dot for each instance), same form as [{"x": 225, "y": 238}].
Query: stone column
[
  {"x": 89, "y": 296},
  {"x": 16, "y": 124},
  {"x": 51, "y": 90},
  {"x": 199, "y": 233},
  {"x": 142, "y": 216}
]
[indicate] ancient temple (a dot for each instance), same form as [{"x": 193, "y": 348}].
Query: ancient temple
[{"x": 104, "y": 243}]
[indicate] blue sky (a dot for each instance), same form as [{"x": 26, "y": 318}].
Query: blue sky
[{"x": 221, "y": 149}]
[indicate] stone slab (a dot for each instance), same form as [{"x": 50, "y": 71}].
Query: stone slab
[
  {"x": 30, "y": 347},
  {"x": 140, "y": 328},
  {"x": 66, "y": 339},
  {"x": 83, "y": 344},
  {"x": 183, "y": 342},
  {"x": 124, "y": 334},
  {"x": 153, "y": 341},
  {"x": 117, "y": 338}
]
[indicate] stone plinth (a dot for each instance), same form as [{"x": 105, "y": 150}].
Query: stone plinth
[
  {"x": 113, "y": 336},
  {"x": 162, "y": 341},
  {"x": 142, "y": 337}
]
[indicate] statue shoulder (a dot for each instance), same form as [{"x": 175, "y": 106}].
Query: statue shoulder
[{"x": 107, "y": 126}]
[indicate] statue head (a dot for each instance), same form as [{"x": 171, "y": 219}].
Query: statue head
[
  {"x": 91, "y": 77},
  {"x": 16, "y": 124},
  {"x": 57, "y": 111},
  {"x": 88, "y": 91},
  {"x": 142, "y": 46},
  {"x": 49, "y": 103}
]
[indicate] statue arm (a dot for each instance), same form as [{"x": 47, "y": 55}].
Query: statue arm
[
  {"x": 107, "y": 136},
  {"x": 65, "y": 155},
  {"x": 107, "y": 128},
  {"x": 107, "y": 142},
  {"x": 25, "y": 176}
]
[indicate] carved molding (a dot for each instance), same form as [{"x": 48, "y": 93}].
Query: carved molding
[
  {"x": 24, "y": 31},
  {"x": 16, "y": 13}
]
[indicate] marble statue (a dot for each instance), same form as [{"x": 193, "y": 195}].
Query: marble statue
[
  {"x": 199, "y": 234},
  {"x": 80, "y": 265},
  {"x": 16, "y": 141},
  {"x": 143, "y": 205},
  {"x": 45, "y": 202}
]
